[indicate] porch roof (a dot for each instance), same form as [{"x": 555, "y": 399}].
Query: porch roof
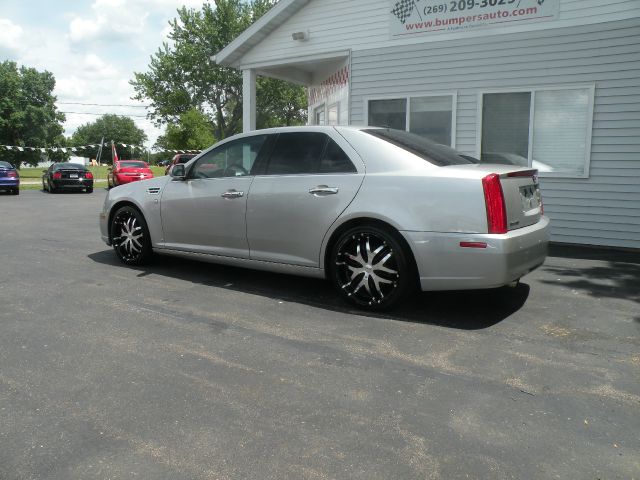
[{"x": 232, "y": 54}]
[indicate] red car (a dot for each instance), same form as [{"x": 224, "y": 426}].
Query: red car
[
  {"x": 179, "y": 158},
  {"x": 127, "y": 171}
]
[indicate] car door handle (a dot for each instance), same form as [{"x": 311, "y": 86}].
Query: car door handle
[
  {"x": 232, "y": 194},
  {"x": 322, "y": 190}
]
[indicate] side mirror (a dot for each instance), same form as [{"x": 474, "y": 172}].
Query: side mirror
[{"x": 178, "y": 172}]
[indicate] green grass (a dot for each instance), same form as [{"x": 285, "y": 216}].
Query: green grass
[{"x": 99, "y": 173}]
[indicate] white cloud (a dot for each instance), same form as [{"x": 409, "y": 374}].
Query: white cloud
[
  {"x": 112, "y": 20},
  {"x": 10, "y": 38},
  {"x": 92, "y": 53}
]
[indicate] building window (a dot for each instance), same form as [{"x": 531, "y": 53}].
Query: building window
[
  {"x": 547, "y": 129},
  {"x": 432, "y": 117},
  {"x": 333, "y": 111},
  {"x": 318, "y": 115},
  {"x": 388, "y": 113}
]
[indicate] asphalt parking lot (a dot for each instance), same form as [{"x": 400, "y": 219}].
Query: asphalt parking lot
[{"x": 183, "y": 370}]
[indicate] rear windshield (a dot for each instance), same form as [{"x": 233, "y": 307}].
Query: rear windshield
[
  {"x": 132, "y": 165},
  {"x": 64, "y": 166},
  {"x": 439, "y": 155},
  {"x": 5, "y": 165}
]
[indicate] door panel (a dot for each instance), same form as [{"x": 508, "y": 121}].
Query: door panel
[
  {"x": 286, "y": 223},
  {"x": 206, "y": 215}
]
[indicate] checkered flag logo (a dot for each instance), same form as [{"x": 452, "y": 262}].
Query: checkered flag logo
[{"x": 403, "y": 9}]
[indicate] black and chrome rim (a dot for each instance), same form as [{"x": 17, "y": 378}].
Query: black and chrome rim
[
  {"x": 367, "y": 268},
  {"x": 128, "y": 236}
]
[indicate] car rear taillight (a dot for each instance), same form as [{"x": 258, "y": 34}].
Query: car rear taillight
[
  {"x": 88, "y": 175},
  {"x": 12, "y": 174},
  {"x": 57, "y": 176},
  {"x": 494, "y": 201}
]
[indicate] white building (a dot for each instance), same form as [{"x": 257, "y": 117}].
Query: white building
[{"x": 549, "y": 83}]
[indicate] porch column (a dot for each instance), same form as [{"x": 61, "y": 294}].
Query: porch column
[{"x": 248, "y": 100}]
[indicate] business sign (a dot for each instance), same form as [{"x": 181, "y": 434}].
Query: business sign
[{"x": 411, "y": 17}]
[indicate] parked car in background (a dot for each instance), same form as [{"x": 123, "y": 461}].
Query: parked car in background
[
  {"x": 376, "y": 211},
  {"x": 67, "y": 176},
  {"x": 127, "y": 171},
  {"x": 179, "y": 158},
  {"x": 9, "y": 178}
]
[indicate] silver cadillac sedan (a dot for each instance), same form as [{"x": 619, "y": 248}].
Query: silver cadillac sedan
[{"x": 378, "y": 212}]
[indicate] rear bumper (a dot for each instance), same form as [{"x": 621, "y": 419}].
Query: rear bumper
[
  {"x": 9, "y": 182},
  {"x": 444, "y": 265},
  {"x": 72, "y": 184},
  {"x": 122, "y": 179}
]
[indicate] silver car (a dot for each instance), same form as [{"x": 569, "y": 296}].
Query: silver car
[{"x": 378, "y": 212}]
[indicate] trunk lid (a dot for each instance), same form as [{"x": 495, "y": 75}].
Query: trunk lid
[
  {"x": 71, "y": 173},
  {"x": 520, "y": 189},
  {"x": 135, "y": 170},
  {"x": 522, "y": 198}
]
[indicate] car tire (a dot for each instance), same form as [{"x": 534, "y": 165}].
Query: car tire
[
  {"x": 89, "y": 190},
  {"x": 130, "y": 236},
  {"x": 371, "y": 267},
  {"x": 16, "y": 191},
  {"x": 50, "y": 188}
]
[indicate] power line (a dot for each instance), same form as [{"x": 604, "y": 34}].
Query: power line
[
  {"x": 101, "y": 114},
  {"x": 104, "y": 104}
]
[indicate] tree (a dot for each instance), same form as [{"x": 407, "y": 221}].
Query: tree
[
  {"x": 28, "y": 114},
  {"x": 110, "y": 127},
  {"x": 182, "y": 76},
  {"x": 194, "y": 131}
]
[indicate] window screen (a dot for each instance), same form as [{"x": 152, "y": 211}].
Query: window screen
[
  {"x": 557, "y": 142},
  {"x": 334, "y": 112},
  {"x": 560, "y": 131},
  {"x": 296, "y": 153},
  {"x": 505, "y": 127},
  {"x": 318, "y": 115},
  {"x": 388, "y": 113},
  {"x": 431, "y": 117}
]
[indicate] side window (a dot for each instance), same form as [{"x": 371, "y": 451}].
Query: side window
[
  {"x": 335, "y": 160},
  {"x": 296, "y": 153},
  {"x": 233, "y": 159}
]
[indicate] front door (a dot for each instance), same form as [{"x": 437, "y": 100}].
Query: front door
[{"x": 206, "y": 212}]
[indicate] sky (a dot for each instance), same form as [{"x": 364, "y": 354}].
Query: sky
[{"x": 93, "y": 48}]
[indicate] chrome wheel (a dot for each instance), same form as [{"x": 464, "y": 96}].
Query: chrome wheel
[
  {"x": 130, "y": 237},
  {"x": 370, "y": 268}
]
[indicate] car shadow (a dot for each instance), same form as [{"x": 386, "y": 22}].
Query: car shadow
[
  {"x": 465, "y": 310},
  {"x": 598, "y": 272}
]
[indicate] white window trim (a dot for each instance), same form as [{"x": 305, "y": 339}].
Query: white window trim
[
  {"x": 407, "y": 98},
  {"x": 532, "y": 90}
]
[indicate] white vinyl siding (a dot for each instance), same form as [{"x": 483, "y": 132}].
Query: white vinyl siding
[
  {"x": 603, "y": 209},
  {"x": 334, "y": 25}
]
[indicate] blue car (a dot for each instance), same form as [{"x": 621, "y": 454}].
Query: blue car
[{"x": 9, "y": 178}]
